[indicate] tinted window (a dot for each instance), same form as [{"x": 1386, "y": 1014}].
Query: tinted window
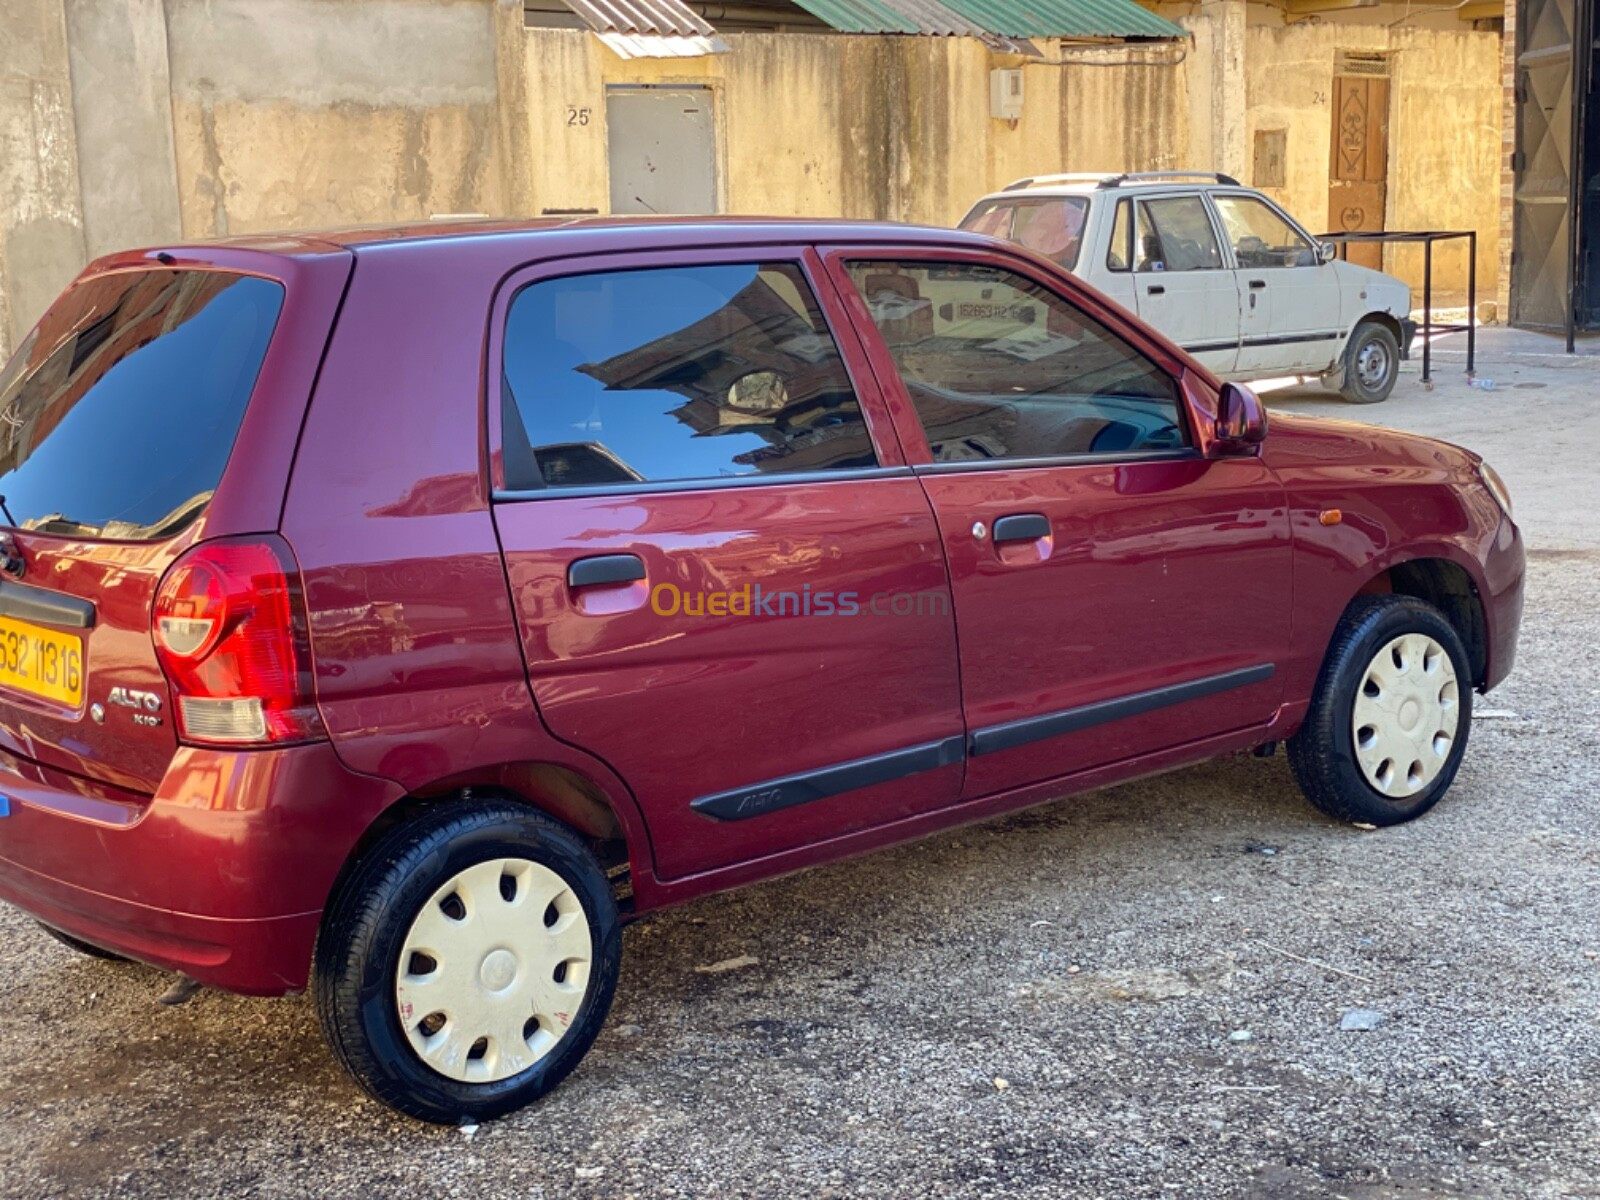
[
  {"x": 1051, "y": 226},
  {"x": 1000, "y": 367},
  {"x": 1175, "y": 234},
  {"x": 674, "y": 373},
  {"x": 117, "y": 418},
  {"x": 1260, "y": 235},
  {"x": 992, "y": 217}
]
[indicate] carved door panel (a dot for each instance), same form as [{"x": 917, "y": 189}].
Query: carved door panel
[{"x": 1359, "y": 169}]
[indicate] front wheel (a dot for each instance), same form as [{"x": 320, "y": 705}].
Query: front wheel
[
  {"x": 1371, "y": 364},
  {"x": 1389, "y": 715},
  {"x": 468, "y": 961}
]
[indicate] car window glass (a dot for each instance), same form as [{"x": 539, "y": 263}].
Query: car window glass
[
  {"x": 1260, "y": 236},
  {"x": 1175, "y": 234},
  {"x": 1118, "y": 256},
  {"x": 999, "y": 366},
  {"x": 992, "y": 217},
  {"x": 118, "y": 415},
  {"x": 674, "y": 373},
  {"x": 1052, "y": 227}
]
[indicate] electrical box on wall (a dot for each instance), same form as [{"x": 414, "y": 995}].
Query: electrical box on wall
[{"x": 1005, "y": 93}]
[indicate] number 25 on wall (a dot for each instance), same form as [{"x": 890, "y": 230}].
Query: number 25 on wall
[{"x": 577, "y": 116}]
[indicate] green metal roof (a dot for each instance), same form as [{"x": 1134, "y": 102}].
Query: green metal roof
[
  {"x": 1004, "y": 18},
  {"x": 1066, "y": 18}
]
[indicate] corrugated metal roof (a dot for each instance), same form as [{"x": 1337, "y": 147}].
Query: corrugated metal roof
[
  {"x": 649, "y": 28},
  {"x": 1067, "y": 18},
  {"x": 1009, "y": 19},
  {"x": 654, "y": 45}
]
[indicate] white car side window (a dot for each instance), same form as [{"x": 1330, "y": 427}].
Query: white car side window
[
  {"x": 1174, "y": 233},
  {"x": 1260, "y": 237}
]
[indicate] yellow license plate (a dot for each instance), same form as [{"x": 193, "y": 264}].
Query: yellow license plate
[{"x": 41, "y": 662}]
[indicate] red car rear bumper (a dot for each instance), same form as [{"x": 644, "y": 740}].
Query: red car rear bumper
[{"x": 222, "y": 875}]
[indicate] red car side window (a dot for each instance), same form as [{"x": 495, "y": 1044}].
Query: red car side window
[
  {"x": 999, "y": 366},
  {"x": 675, "y": 373}
]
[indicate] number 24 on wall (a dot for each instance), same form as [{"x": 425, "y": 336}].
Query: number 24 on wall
[{"x": 577, "y": 116}]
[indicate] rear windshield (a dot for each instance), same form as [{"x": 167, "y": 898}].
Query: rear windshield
[
  {"x": 118, "y": 414},
  {"x": 1051, "y": 225}
]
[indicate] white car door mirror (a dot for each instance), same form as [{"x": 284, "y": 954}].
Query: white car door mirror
[{"x": 1327, "y": 252}]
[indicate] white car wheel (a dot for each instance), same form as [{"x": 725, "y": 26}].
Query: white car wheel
[
  {"x": 492, "y": 970},
  {"x": 1405, "y": 715}
]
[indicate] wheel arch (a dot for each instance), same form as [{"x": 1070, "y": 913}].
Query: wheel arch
[
  {"x": 557, "y": 790},
  {"x": 1452, "y": 587},
  {"x": 1379, "y": 317}
]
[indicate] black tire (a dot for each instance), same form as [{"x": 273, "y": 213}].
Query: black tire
[
  {"x": 365, "y": 926},
  {"x": 85, "y": 948},
  {"x": 1384, "y": 348},
  {"x": 1322, "y": 754}
]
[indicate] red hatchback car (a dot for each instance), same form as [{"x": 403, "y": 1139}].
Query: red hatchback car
[{"x": 397, "y": 612}]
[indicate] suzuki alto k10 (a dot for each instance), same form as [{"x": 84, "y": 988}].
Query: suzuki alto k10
[{"x": 395, "y": 613}]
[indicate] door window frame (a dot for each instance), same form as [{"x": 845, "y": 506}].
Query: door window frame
[
  {"x": 1061, "y": 284},
  {"x": 1224, "y": 249},
  {"x": 881, "y": 427},
  {"x": 1211, "y": 195}
]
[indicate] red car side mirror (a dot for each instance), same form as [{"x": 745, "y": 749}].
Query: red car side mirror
[{"x": 1241, "y": 423}]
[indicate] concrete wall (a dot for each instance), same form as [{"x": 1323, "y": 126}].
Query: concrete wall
[
  {"x": 122, "y": 111},
  {"x": 127, "y": 122},
  {"x": 891, "y": 128},
  {"x": 41, "y": 220},
  {"x": 298, "y": 113},
  {"x": 1445, "y": 107}
]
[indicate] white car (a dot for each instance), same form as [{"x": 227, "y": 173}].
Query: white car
[{"x": 1220, "y": 269}]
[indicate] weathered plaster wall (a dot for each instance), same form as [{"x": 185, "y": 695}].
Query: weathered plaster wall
[
  {"x": 122, "y": 108},
  {"x": 127, "y": 122},
  {"x": 298, "y": 113},
  {"x": 1444, "y": 133},
  {"x": 890, "y": 128},
  {"x": 41, "y": 215}
]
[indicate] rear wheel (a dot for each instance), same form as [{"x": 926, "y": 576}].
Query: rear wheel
[
  {"x": 1389, "y": 716},
  {"x": 1371, "y": 364},
  {"x": 468, "y": 962},
  {"x": 82, "y": 947}
]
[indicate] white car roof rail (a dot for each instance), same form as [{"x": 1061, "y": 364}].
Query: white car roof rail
[{"x": 1102, "y": 180}]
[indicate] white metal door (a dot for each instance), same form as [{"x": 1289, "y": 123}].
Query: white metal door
[
  {"x": 1182, "y": 284},
  {"x": 1289, "y": 301},
  {"x": 662, "y": 146}
]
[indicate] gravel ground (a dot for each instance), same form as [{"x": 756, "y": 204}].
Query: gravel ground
[{"x": 1047, "y": 1005}]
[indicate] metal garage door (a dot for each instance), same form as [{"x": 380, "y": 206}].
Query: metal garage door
[
  {"x": 1541, "y": 268},
  {"x": 662, "y": 145}
]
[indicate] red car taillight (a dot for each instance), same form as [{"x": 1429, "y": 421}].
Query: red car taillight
[{"x": 230, "y": 630}]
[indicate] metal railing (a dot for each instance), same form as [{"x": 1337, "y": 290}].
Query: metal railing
[{"x": 1429, "y": 326}]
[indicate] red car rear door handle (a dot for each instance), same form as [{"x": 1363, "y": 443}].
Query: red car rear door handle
[
  {"x": 1022, "y": 527},
  {"x": 605, "y": 568}
]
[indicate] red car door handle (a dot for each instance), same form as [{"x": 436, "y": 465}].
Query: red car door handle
[
  {"x": 605, "y": 568},
  {"x": 1022, "y": 527}
]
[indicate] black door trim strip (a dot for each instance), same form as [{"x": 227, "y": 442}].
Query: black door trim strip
[
  {"x": 1085, "y": 716},
  {"x": 1204, "y": 347},
  {"x": 761, "y": 798}
]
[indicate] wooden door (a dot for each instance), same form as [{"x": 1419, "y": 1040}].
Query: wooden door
[{"x": 1359, "y": 170}]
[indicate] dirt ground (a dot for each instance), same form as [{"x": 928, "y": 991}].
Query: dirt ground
[{"x": 1132, "y": 993}]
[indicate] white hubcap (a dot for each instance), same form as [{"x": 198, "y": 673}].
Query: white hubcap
[
  {"x": 1405, "y": 715},
  {"x": 493, "y": 970}
]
